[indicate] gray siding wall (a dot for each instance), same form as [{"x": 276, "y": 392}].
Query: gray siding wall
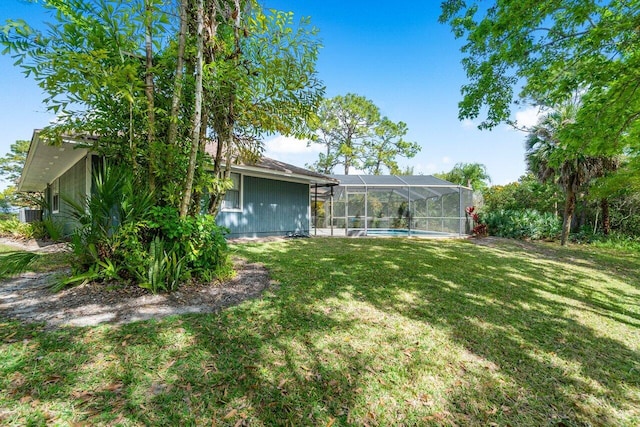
[
  {"x": 72, "y": 186},
  {"x": 269, "y": 208}
]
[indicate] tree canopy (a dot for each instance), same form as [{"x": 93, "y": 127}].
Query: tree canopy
[
  {"x": 472, "y": 175},
  {"x": 355, "y": 135},
  {"x": 543, "y": 53},
  {"x": 11, "y": 165},
  {"x": 175, "y": 92},
  {"x": 549, "y": 157},
  {"x": 131, "y": 72}
]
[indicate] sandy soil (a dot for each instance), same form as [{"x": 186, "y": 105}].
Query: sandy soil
[{"x": 28, "y": 297}]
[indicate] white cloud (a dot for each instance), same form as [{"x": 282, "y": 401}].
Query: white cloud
[
  {"x": 468, "y": 124},
  {"x": 289, "y": 145},
  {"x": 529, "y": 117},
  {"x": 446, "y": 160}
]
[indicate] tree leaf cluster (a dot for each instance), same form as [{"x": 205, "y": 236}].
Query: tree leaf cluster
[
  {"x": 126, "y": 71},
  {"x": 355, "y": 135},
  {"x": 473, "y": 175},
  {"x": 10, "y": 169},
  {"x": 543, "y": 52},
  {"x": 579, "y": 61}
]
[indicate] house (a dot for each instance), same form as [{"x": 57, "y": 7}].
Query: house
[{"x": 269, "y": 198}]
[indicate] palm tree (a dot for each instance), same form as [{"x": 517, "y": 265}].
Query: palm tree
[
  {"x": 472, "y": 175},
  {"x": 551, "y": 159}
]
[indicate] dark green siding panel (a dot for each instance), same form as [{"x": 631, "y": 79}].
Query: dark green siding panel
[
  {"x": 269, "y": 208},
  {"x": 72, "y": 186}
]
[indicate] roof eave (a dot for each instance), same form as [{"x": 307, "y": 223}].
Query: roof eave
[
  {"x": 258, "y": 170},
  {"x": 45, "y": 163}
]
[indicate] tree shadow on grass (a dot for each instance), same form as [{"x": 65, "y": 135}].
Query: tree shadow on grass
[
  {"x": 393, "y": 332},
  {"x": 532, "y": 319}
]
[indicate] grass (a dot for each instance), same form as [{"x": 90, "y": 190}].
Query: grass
[{"x": 359, "y": 332}]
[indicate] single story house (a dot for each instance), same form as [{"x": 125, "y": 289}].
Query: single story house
[{"x": 269, "y": 198}]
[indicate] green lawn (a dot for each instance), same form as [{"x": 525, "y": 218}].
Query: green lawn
[{"x": 360, "y": 332}]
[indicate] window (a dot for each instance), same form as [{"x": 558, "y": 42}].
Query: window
[
  {"x": 55, "y": 196},
  {"x": 232, "y": 198}
]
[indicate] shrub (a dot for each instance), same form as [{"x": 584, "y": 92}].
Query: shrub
[
  {"x": 615, "y": 240},
  {"x": 196, "y": 239},
  {"x": 122, "y": 236},
  {"x": 13, "y": 228},
  {"x": 529, "y": 224},
  {"x": 479, "y": 228}
]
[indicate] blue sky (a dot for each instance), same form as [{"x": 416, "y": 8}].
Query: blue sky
[{"x": 398, "y": 56}]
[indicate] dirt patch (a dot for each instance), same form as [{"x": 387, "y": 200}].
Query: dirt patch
[{"x": 28, "y": 297}]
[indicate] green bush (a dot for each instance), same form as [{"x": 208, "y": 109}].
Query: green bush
[
  {"x": 615, "y": 240},
  {"x": 45, "y": 229},
  {"x": 525, "y": 224},
  {"x": 196, "y": 239},
  {"x": 122, "y": 236},
  {"x": 13, "y": 228}
]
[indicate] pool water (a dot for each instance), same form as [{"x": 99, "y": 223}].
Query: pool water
[{"x": 402, "y": 232}]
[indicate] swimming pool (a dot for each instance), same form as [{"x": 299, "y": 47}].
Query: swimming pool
[{"x": 403, "y": 232}]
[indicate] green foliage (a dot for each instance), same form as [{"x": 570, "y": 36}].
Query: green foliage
[
  {"x": 473, "y": 175},
  {"x": 552, "y": 158},
  {"x": 355, "y": 135},
  {"x": 522, "y": 224},
  {"x": 165, "y": 270},
  {"x": 617, "y": 241},
  {"x": 45, "y": 229},
  {"x": 123, "y": 237},
  {"x": 12, "y": 263},
  {"x": 11, "y": 163},
  {"x": 553, "y": 51},
  {"x": 196, "y": 239},
  {"x": 259, "y": 77},
  {"x": 52, "y": 230},
  {"x": 385, "y": 145},
  {"x": 5, "y": 204},
  {"x": 625, "y": 215},
  {"x": 12, "y": 227},
  {"x": 527, "y": 193}
]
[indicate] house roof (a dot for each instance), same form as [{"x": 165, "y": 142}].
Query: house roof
[
  {"x": 270, "y": 167},
  {"x": 278, "y": 168},
  {"x": 392, "y": 181},
  {"x": 415, "y": 187},
  {"x": 45, "y": 162}
]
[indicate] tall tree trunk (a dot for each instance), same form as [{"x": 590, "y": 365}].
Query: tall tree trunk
[
  {"x": 327, "y": 169},
  {"x": 606, "y": 218},
  {"x": 569, "y": 209},
  {"x": 133, "y": 147},
  {"x": 197, "y": 194},
  {"x": 197, "y": 114},
  {"x": 226, "y": 134},
  {"x": 178, "y": 80},
  {"x": 149, "y": 92},
  {"x": 348, "y": 154}
]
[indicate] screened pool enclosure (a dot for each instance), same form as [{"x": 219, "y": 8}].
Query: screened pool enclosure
[{"x": 365, "y": 205}]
